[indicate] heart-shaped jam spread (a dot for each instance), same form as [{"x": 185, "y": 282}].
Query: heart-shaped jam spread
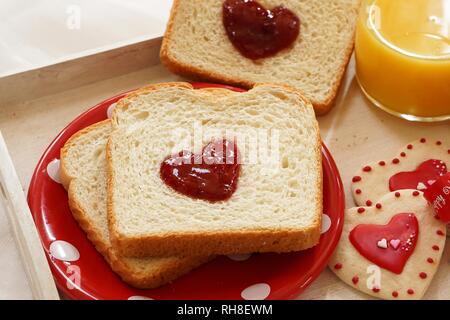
[
  {"x": 211, "y": 175},
  {"x": 388, "y": 246},
  {"x": 421, "y": 178},
  {"x": 257, "y": 32}
]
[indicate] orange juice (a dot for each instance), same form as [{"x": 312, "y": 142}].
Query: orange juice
[{"x": 403, "y": 57}]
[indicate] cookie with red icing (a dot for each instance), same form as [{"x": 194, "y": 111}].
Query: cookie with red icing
[
  {"x": 416, "y": 166},
  {"x": 390, "y": 250}
]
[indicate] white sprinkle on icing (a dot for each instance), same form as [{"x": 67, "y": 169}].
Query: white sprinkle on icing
[
  {"x": 394, "y": 243},
  {"x": 421, "y": 186},
  {"x": 382, "y": 244}
]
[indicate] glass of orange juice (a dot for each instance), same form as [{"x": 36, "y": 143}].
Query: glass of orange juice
[{"x": 402, "y": 53}]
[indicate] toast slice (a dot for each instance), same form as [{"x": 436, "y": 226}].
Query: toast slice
[
  {"x": 277, "y": 206},
  {"x": 196, "y": 45},
  {"x": 83, "y": 174}
]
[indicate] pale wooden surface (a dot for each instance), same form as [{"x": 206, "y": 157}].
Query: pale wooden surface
[
  {"x": 40, "y": 279},
  {"x": 74, "y": 73},
  {"x": 354, "y": 131},
  {"x": 13, "y": 279}
]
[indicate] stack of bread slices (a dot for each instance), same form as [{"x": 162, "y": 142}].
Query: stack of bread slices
[
  {"x": 196, "y": 45},
  {"x": 148, "y": 232}
]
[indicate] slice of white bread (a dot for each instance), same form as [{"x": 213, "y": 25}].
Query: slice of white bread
[
  {"x": 196, "y": 45},
  {"x": 83, "y": 173},
  {"x": 276, "y": 208}
]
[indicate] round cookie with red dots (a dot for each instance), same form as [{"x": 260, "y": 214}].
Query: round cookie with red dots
[
  {"x": 391, "y": 250},
  {"x": 416, "y": 166}
]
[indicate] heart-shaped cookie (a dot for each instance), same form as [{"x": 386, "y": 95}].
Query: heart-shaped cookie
[
  {"x": 211, "y": 175},
  {"x": 397, "y": 241},
  {"x": 257, "y": 32},
  {"x": 421, "y": 178},
  {"x": 419, "y": 164},
  {"x": 364, "y": 261}
]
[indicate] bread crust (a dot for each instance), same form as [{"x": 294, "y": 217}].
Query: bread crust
[
  {"x": 191, "y": 71},
  {"x": 121, "y": 265},
  {"x": 219, "y": 242},
  {"x": 207, "y": 243},
  {"x": 143, "y": 280},
  {"x": 123, "y": 103},
  {"x": 64, "y": 174}
]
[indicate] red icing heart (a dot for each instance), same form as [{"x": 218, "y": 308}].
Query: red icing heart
[
  {"x": 426, "y": 173},
  {"x": 211, "y": 176},
  {"x": 257, "y": 32},
  {"x": 403, "y": 227},
  {"x": 438, "y": 196}
]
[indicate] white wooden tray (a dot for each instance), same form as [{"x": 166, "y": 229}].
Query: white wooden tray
[
  {"x": 34, "y": 262},
  {"x": 36, "y": 105}
]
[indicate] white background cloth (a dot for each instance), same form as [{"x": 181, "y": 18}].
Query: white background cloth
[
  {"x": 34, "y": 33},
  {"x": 13, "y": 280}
]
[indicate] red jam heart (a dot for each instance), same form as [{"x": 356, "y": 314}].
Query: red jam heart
[
  {"x": 424, "y": 176},
  {"x": 257, "y": 32},
  {"x": 388, "y": 246},
  {"x": 438, "y": 196},
  {"x": 212, "y": 175}
]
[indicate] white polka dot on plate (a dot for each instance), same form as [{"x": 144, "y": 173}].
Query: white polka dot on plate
[
  {"x": 110, "y": 109},
  {"x": 53, "y": 170},
  {"x": 326, "y": 223},
  {"x": 239, "y": 257},
  {"x": 139, "y": 298},
  {"x": 258, "y": 291},
  {"x": 63, "y": 250}
]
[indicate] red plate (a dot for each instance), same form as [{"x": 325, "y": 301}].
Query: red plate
[{"x": 82, "y": 273}]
